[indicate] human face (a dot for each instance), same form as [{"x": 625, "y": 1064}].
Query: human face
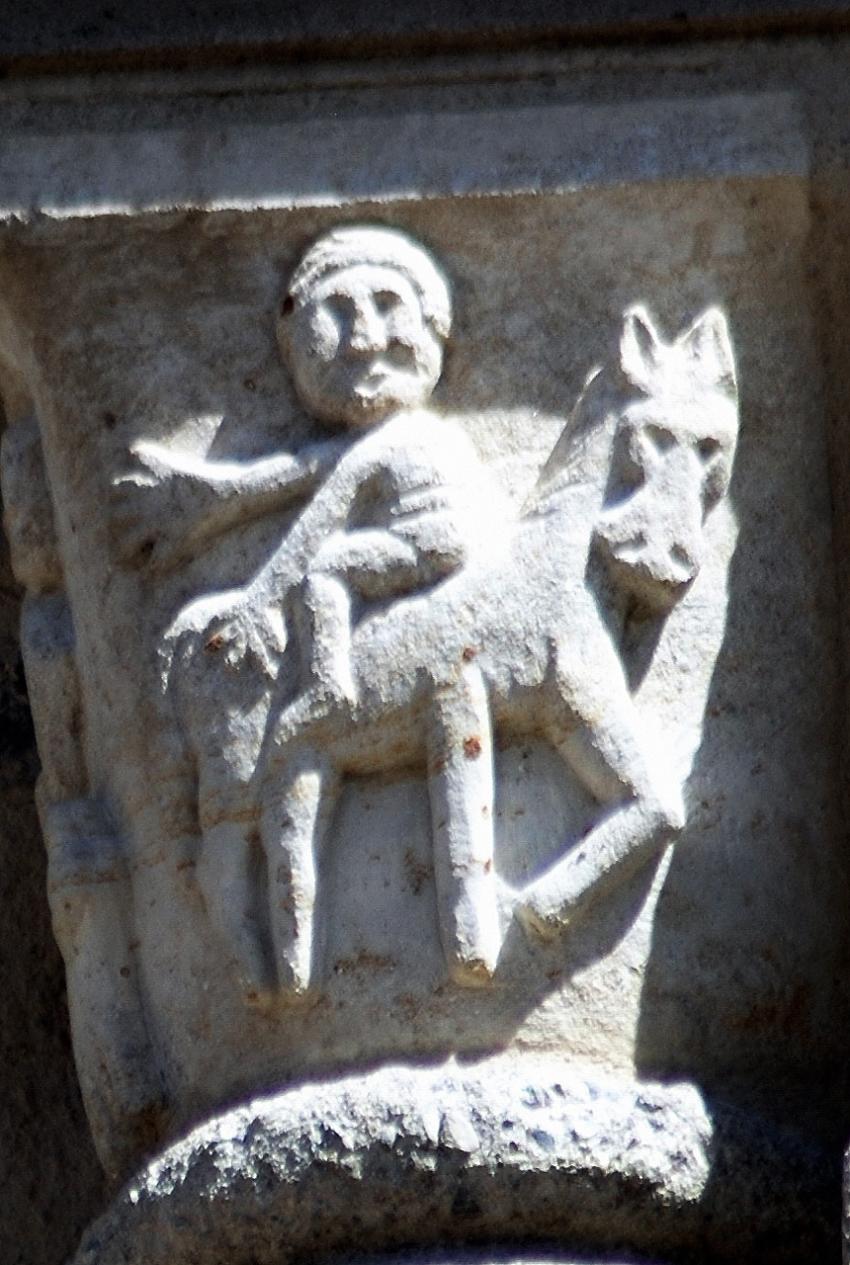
[{"x": 359, "y": 347}]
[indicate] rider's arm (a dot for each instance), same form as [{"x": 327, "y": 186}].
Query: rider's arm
[
  {"x": 416, "y": 545},
  {"x": 169, "y": 504},
  {"x": 374, "y": 562}
]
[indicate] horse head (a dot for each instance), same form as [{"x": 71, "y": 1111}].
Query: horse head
[
  {"x": 662, "y": 421},
  {"x": 671, "y": 455}
]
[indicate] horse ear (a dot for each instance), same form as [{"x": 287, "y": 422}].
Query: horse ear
[
  {"x": 709, "y": 349},
  {"x": 639, "y": 348}
]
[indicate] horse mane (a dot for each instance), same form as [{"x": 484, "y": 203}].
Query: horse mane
[{"x": 601, "y": 397}]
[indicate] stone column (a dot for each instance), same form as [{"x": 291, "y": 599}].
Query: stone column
[{"x": 423, "y": 514}]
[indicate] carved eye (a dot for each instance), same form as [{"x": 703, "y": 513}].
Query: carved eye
[
  {"x": 708, "y": 449},
  {"x": 661, "y": 439},
  {"x": 340, "y": 309},
  {"x": 385, "y": 301},
  {"x": 287, "y": 307}
]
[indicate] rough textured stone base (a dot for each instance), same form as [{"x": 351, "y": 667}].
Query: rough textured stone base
[{"x": 496, "y": 1154}]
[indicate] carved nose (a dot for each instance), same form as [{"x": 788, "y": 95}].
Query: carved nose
[
  {"x": 367, "y": 329},
  {"x": 685, "y": 549},
  {"x": 685, "y": 560}
]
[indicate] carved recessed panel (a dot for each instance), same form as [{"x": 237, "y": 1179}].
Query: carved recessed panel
[{"x": 379, "y": 572}]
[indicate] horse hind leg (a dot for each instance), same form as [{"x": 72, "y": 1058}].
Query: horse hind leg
[
  {"x": 461, "y": 791},
  {"x": 227, "y": 874},
  {"x": 296, "y": 811}
]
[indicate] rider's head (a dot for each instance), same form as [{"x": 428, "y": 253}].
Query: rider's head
[{"x": 363, "y": 324}]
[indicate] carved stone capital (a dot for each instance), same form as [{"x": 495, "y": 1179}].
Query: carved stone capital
[{"x": 432, "y": 698}]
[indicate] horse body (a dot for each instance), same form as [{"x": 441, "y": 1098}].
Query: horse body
[
  {"x": 502, "y": 615},
  {"x": 512, "y": 643}
]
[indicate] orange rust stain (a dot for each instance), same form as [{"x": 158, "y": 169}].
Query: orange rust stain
[
  {"x": 418, "y": 872},
  {"x": 408, "y": 1005},
  {"x": 787, "y": 1014},
  {"x": 378, "y": 961},
  {"x": 472, "y": 747}
]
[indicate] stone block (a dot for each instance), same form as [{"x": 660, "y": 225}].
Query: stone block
[{"x": 433, "y": 640}]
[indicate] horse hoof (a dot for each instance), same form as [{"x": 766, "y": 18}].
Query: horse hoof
[
  {"x": 545, "y": 926},
  {"x": 473, "y": 972},
  {"x": 294, "y": 987}
]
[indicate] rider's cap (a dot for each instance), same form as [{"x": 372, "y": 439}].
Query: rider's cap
[{"x": 385, "y": 247}]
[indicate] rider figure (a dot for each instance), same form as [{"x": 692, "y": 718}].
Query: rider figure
[{"x": 362, "y": 330}]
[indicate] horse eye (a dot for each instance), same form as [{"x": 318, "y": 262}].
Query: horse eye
[
  {"x": 662, "y": 439},
  {"x": 708, "y": 448}
]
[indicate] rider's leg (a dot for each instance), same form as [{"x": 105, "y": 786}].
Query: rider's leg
[
  {"x": 298, "y": 802},
  {"x": 461, "y": 789}
]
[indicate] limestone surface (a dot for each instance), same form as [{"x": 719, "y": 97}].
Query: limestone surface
[
  {"x": 431, "y": 626},
  {"x": 450, "y": 601},
  {"x": 50, "y": 1176}
]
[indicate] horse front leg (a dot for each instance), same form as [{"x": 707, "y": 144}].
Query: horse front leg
[
  {"x": 593, "y": 724},
  {"x": 461, "y": 791},
  {"x": 299, "y": 797}
]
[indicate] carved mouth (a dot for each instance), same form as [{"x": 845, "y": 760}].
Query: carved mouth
[
  {"x": 376, "y": 374},
  {"x": 374, "y": 377}
]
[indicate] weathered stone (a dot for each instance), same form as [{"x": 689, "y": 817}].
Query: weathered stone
[
  {"x": 87, "y": 32},
  {"x": 432, "y": 640},
  {"x": 438, "y": 610},
  {"x": 462, "y": 1156}
]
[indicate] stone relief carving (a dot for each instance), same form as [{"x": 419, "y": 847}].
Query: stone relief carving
[
  {"x": 439, "y": 750},
  {"x": 412, "y": 615}
]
